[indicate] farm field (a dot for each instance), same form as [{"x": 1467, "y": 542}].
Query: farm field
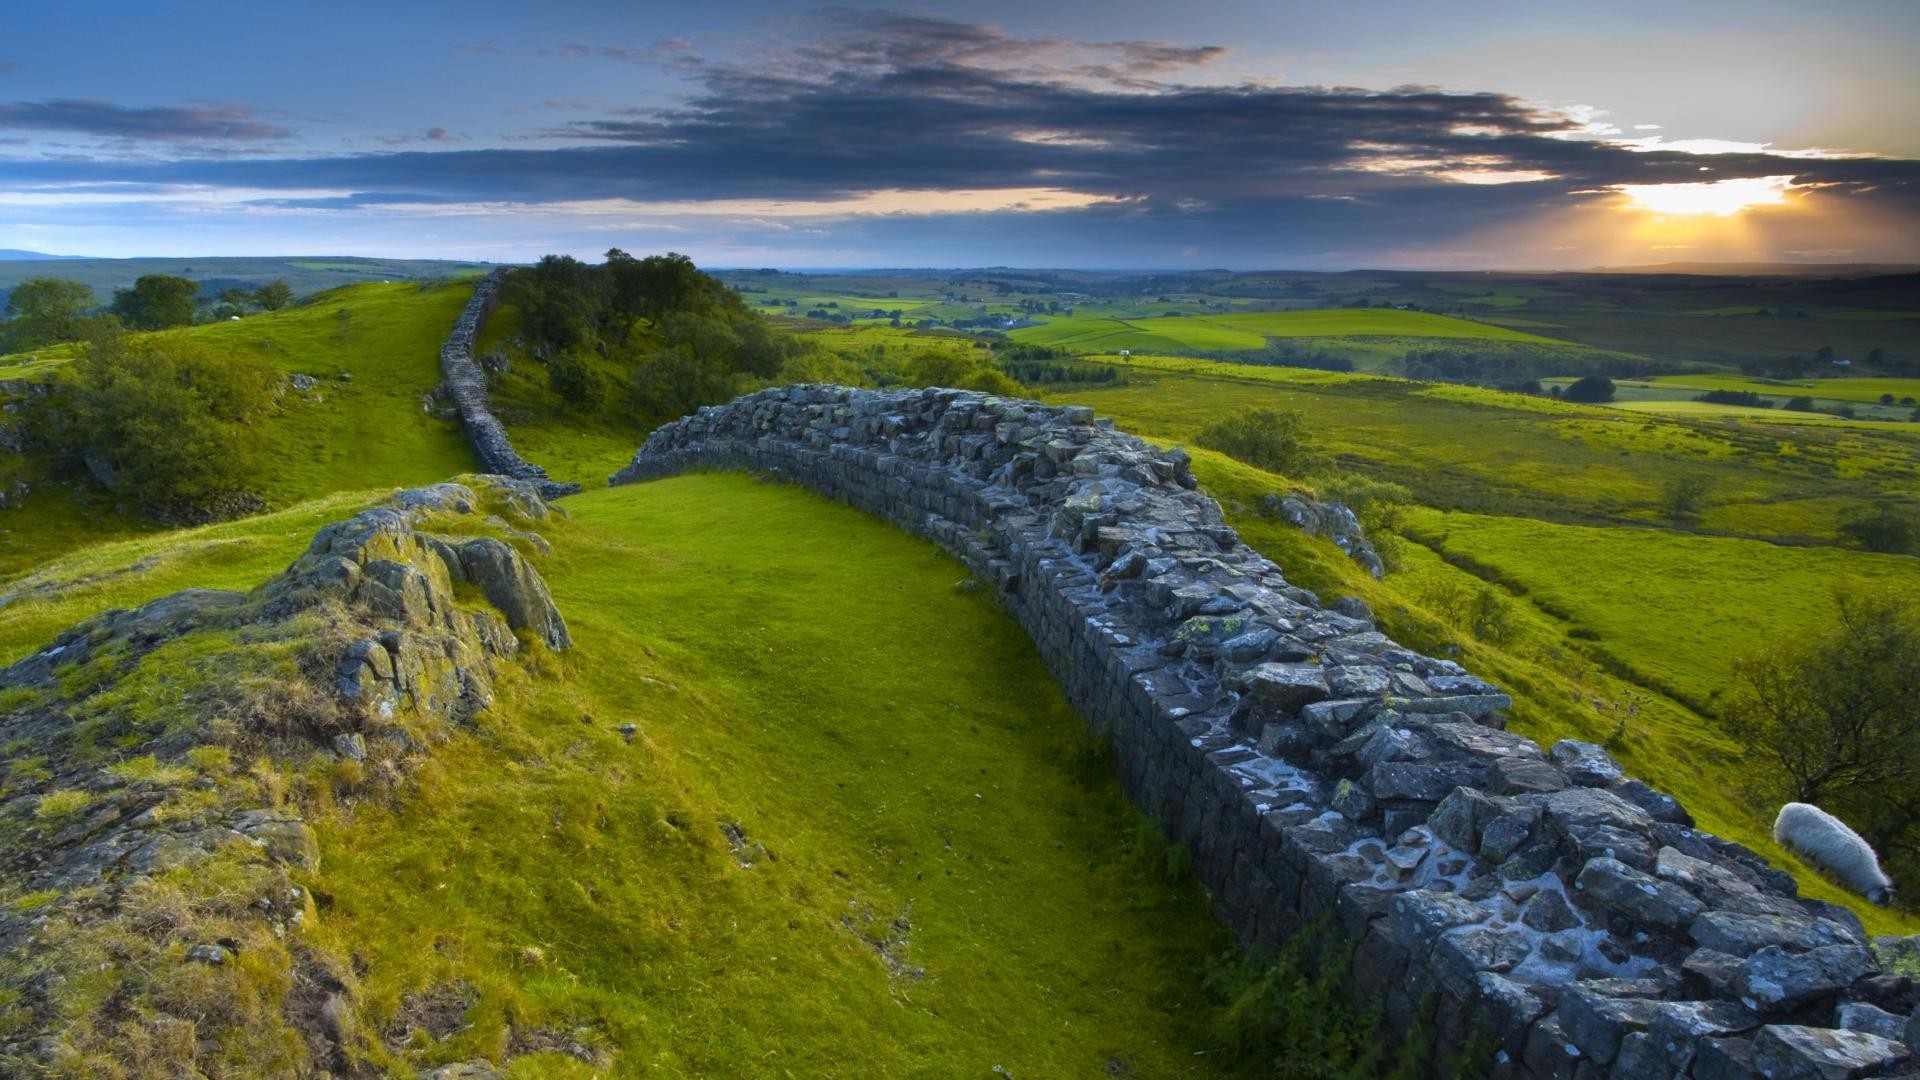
[
  {"x": 1246, "y": 331},
  {"x": 1468, "y": 448}
]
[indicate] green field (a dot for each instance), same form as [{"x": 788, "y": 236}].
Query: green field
[{"x": 1246, "y": 331}]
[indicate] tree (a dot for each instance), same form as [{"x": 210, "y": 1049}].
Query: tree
[
  {"x": 156, "y": 302},
  {"x": 165, "y": 423},
  {"x": 1799, "y": 404},
  {"x": 45, "y": 310},
  {"x": 1592, "y": 390},
  {"x": 1683, "y": 496},
  {"x": 1270, "y": 439},
  {"x": 273, "y": 296},
  {"x": 1834, "y": 716},
  {"x": 233, "y": 302}
]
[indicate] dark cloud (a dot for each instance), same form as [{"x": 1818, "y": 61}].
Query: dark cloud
[
  {"x": 152, "y": 124},
  {"x": 881, "y": 101},
  {"x": 431, "y": 135}
]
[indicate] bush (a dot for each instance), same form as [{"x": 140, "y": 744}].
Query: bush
[
  {"x": 1883, "y": 529},
  {"x": 1592, "y": 390},
  {"x": 1269, "y": 439},
  {"x": 1799, "y": 404},
  {"x": 165, "y": 423},
  {"x": 578, "y": 385}
]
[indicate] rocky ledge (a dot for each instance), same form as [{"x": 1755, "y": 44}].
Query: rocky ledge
[
  {"x": 1318, "y": 770},
  {"x": 148, "y": 838}
]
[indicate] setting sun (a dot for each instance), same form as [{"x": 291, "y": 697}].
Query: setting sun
[{"x": 1720, "y": 198}]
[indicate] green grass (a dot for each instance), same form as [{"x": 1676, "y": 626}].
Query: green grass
[
  {"x": 1674, "y": 607},
  {"x": 1865, "y": 390},
  {"x": 38, "y": 604},
  {"x": 1247, "y": 331},
  {"x": 368, "y": 429},
  {"x": 894, "y": 743}
]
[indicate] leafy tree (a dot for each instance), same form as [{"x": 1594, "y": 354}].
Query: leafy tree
[
  {"x": 273, "y": 296},
  {"x": 675, "y": 381},
  {"x": 156, "y": 302},
  {"x": 44, "y": 310},
  {"x": 1270, "y": 439},
  {"x": 166, "y": 423},
  {"x": 1799, "y": 404},
  {"x": 1593, "y": 390}
]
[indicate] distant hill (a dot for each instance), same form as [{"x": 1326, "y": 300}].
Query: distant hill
[
  {"x": 17, "y": 255},
  {"x": 307, "y": 274},
  {"x": 1762, "y": 269}
]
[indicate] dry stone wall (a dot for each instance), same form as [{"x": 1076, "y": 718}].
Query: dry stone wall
[
  {"x": 466, "y": 383},
  {"x": 1317, "y": 769}
]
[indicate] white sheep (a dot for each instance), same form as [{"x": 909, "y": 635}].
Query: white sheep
[{"x": 1826, "y": 842}]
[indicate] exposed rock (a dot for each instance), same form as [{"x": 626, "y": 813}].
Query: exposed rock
[
  {"x": 1792, "y": 1052},
  {"x": 1644, "y": 899},
  {"x": 1775, "y": 980}
]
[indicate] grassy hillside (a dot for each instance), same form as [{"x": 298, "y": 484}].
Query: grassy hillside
[
  {"x": 305, "y": 274},
  {"x": 777, "y": 813},
  {"x": 373, "y": 352}
]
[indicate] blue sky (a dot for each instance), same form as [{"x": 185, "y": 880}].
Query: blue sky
[{"x": 1115, "y": 134}]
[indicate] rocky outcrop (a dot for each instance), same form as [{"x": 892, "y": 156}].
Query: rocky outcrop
[
  {"x": 1317, "y": 770},
  {"x": 367, "y": 650},
  {"x": 463, "y": 379},
  {"x": 1329, "y": 520}
]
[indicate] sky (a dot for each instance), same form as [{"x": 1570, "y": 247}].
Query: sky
[{"x": 1093, "y": 133}]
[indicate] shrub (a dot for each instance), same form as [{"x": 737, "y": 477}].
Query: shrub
[
  {"x": 1799, "y": 404},
  {"x": 1593, "y": 390},
  {"x": 1269, "y": 439},
  {"x": 165, "y": 423},
  {"x": 1883, "y": 529},
  {"x": 578, "y": 385}
]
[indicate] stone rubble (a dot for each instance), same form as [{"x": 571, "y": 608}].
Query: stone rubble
[
  {"x": 463, "y": 379},
  {"x": 1316, "y": 768}
]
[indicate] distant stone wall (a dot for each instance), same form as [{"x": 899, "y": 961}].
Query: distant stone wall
[
  {"x": 466, "y": 383},
  {"x": 1316, "y": 768}
]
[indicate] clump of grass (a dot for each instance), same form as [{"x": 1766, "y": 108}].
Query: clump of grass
[{"x": 60, "y": 806}]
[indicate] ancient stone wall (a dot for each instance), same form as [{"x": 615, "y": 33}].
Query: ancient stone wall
[
  {"x": 1317, "y": 769},
  {"x": 466, "y": 383}
]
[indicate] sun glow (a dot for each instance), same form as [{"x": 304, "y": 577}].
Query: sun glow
[{"x": 1720, "y": 198}]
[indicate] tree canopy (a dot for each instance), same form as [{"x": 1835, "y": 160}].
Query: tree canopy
[
  {"x": 156, "y": 302},
  {"x": 43, "y": 310}
]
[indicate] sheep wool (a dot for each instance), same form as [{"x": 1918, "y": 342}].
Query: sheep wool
[{"x": 1827, "y": 842}]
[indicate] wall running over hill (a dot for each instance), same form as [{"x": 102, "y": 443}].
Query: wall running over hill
[
  {"x": 467, "y": 384},
  {"x": 1316, "y": 769}
]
